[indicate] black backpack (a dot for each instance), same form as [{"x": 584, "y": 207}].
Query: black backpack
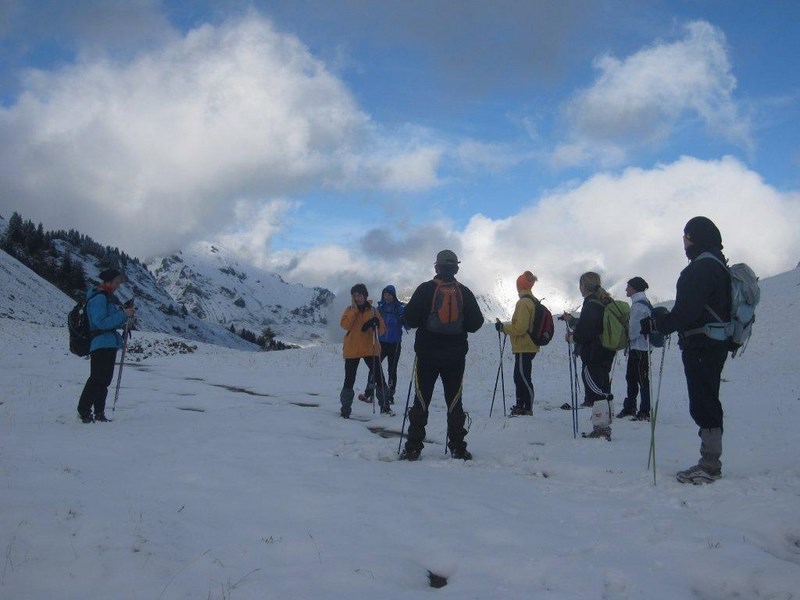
[{"x": 80, "y": 336}]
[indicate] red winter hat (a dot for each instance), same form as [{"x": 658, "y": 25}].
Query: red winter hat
[{"x": 526, "y": 281}]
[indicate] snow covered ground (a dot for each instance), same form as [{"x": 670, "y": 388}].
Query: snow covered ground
[{"x": 229, "y": 475}]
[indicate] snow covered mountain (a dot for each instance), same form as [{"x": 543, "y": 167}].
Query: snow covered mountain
[
  {"x": 211, "y": 283},
  {"x": 197, "y": 296}
]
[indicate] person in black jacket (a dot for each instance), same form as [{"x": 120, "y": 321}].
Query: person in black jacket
[
  {"x": 703, "y": 284},
  {"x": 441, "y": 348},
  {"x": 597, "y": 360}
]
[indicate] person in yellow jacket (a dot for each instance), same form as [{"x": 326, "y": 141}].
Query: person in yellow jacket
[
  {"x": 363, "y": 325},
  {"x": 522, "y": 345}
]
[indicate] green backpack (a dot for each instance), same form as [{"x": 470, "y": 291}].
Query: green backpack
[{"x": 615, "y": 324}]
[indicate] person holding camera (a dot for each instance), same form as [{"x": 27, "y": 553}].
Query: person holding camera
[
  {"x": 597, "y": 360},
  {"x": 105, "y": 317},
  {"x": 363, "y": 325}
]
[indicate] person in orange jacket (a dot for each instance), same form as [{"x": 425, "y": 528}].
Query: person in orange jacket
[{"x": 363, "y": 325}]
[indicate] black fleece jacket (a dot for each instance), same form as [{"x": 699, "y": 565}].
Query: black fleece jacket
[
  {"x": 587, "y": 332},
  {"x": 703, "y": 282}
]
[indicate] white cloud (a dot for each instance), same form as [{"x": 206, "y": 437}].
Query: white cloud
[
  {"x": 640, "y": 100},
  {"x": 620, "y": 225},
  {"x": 159, "y": 149}
]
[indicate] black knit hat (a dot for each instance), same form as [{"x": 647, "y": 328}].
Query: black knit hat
[
  {"x": 702, "y": 232},
  {"x": 638, "y": 284},
  {"x": 359, "y": 288},
  {"x": 109, "y": 275}
]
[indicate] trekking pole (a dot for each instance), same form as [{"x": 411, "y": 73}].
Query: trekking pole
[
  {"x": 408, "y": 398},
  {"x": 573, "y": 392},
  {"x": 497, "y": 377},
  {"x": 376, "y": 369},
  {"x": 125, "y": 336},
  {"x": 502, "y": 373},
  {"x": 654, "y": 411}
]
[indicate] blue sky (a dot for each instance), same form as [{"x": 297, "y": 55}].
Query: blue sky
[{"x": 334, "y": 141}]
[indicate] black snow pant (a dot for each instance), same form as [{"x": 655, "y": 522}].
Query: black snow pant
[
  {"x": 101, "y": 372},
  {"x": 375, "y": 374},
  {"x": 703, "y": 369},
  {"x": 637, "y": 376},
  {"x": 596, "y": 381},
  {"x": 523, "y": 366},
  {"x": 391, "y": 351},
  {"x": 451, "y": 370}
]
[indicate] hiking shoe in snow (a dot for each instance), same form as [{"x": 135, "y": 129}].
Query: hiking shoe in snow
[
  {"x": 518, "y": 411},
  {"x": 698, "y": 475},
  {"x": 626, "y": 412},
  {"x": 102, "y": 418},
  {"x": 345, "y": 414},
  {"x": 86, "y": 418},
  {"x": 461, "y": 454},
  {"x": 642, "y": 416},
  {"x": 409, "y": 455},
  {"x": 598, "y": 433},
  {"x": 387, "y": 411},
  {"x": 586, "y": 403}
]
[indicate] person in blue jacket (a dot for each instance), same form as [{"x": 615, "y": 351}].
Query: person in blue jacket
[
  {"x": 105, "y": 317},
  {"x": 391, "y": 310}
]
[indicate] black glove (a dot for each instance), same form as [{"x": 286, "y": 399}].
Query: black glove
[
  {"x": 373, "y": 322},
  {"x": 498, "y": 325},
  {"x": 648, "y": 325}
]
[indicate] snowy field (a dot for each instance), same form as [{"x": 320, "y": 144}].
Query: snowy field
[{"x": 229, "y": 475}]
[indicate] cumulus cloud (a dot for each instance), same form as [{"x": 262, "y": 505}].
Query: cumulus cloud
[
  {"x": 640, "y": 100},
  {"x": 160, "y": 148},
  {"x": 618, "y": 224}
]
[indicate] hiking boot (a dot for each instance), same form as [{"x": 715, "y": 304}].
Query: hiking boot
[
  {"x": 101, "y": 418},
  {"x": 626, "y": 412},
  {"x": 642, "y": 416},
  {"x": 387, "y": 411},
  {"x": 698, "y": 475},
  {"x": 461, "y": 454},
  {"x": 518, "y": 411},
  {"x": 599, "y": 432},
  {"x": 345, "y": 414},
  {"x": 409, "y": 455},
  {"x": 587, "y": 403},
  {"x": 86, "y": 418}
]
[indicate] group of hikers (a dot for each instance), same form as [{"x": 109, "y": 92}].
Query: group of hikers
[{"x": 443, "y": 312}]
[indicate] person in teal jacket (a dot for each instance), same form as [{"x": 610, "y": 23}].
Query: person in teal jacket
[{"x": 105, "y": 317}]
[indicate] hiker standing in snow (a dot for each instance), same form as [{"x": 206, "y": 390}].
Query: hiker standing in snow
[
  {"x": 363, "y": 325},
  {"x": 391, "y": 310},
  {"x": 597, "y": 360},
  {"x": 702, "y": 286},
  {"x": 522, "y": 346},
  {"x": 105, "y": 317},
  {"x": 637, "y": 374},
  {"x": 443, "y": 311}
]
